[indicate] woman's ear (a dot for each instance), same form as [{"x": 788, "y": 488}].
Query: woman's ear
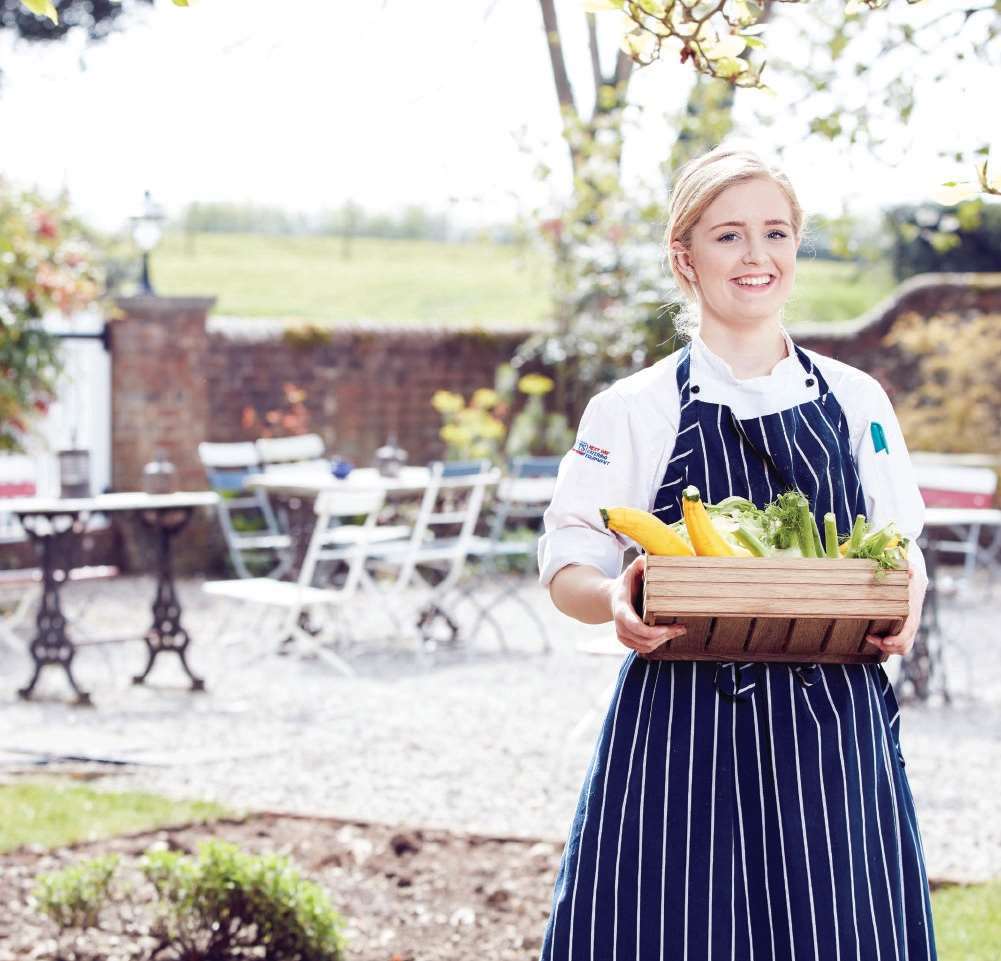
[{"x": 683, "y": 260}]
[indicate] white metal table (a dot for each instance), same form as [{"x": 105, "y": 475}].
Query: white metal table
[
  {"x": 310, "y": 480},
  {"x": 53, "y": 523}
]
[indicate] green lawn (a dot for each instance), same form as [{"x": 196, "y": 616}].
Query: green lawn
[
  {"x": 309, "y": 279},
  {"x": 55, "y": 812},
  {"x": 389, "y": 281},
  {"x": 968, "y": 922},
  {"x": 828, "y": 290}
]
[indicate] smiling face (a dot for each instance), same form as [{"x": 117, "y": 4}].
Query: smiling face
[{"x": 743, "y": 255}]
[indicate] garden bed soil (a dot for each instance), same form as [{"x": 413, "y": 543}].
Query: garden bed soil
[{"x": 406, "y": 894}]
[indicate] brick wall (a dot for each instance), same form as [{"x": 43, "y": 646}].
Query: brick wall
[{"x": 361, "y": 385}]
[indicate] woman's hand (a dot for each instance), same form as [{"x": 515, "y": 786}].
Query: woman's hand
[
  {"x": 903, "y": 641},
  {"x": 629, "y": 627}
]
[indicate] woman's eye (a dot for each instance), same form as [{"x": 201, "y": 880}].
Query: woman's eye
[{"x": 732, "y": 234}]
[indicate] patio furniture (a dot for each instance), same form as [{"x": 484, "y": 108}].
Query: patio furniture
[
  {"x": 20, "y": 588},
  {"x": 958, "y": 498},
  {"x": 922, "y": 672},
  {"x": 521, "y": 497},
  {"x": 959, "y": 506},
  {"x": 304, "y": 450},
  {"x": 330, "y": 541},
  {"x": 227, "y": 467},
  {"x": 295, "y": 486},
  {"x": 433, "y": 559},
  {"x": 54, "y": 525}
]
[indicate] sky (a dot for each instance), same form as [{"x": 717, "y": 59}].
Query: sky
[{"x": 386, "y": 103}]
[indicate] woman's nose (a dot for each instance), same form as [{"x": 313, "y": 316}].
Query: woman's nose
[{"x": 755, "y": 253}]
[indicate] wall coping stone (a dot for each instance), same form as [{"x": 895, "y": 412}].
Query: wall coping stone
[
  {"x": 156, "y": 306},
  {"x": 266, "y": 328}
]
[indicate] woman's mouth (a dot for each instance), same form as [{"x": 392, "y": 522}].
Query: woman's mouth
[{"x": 754, "y": 283}]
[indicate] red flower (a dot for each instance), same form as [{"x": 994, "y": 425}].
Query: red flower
[
  {"x": 553, "y": 226},
  {"x": 45, "y": 226}
]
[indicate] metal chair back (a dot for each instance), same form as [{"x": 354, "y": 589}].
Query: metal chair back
[
  {"x": 300, "y": 450},
  {"x": 454, "y": 497},
  {"x": 332, "y": 506},
  {"x": 525, "y": 493},
  {"x": 227, "y": 467}
]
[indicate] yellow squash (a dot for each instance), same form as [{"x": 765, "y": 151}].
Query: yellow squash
[
  {"x": 707, "y": 541},
  {"x": 650, "y": 532}
]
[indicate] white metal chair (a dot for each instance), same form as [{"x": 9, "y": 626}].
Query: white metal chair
[
  {"x": 958, "y": 506},
  {"x": 521, "y": 498},
  {"x": 301, "y": 450},
  {"x": 303, "y": 601},
  {"x": 425, "y": 567},
  {"x": 227, "y": 467}
]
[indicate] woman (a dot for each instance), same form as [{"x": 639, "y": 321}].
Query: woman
[{"x": 739, "y": 811}]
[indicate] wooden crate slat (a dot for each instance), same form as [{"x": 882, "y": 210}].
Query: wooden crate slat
[
  {"x": 664, "y": 653},
  {"x": 770, "y": 575},
  {"x": 731, "y": 633},
  {"x": 694, "y": 641},
  {"x": 768, "y": 636},
  {"x": 808, "y": 634},
  {"x": 654, "y": 561},
  {"x": 847, "y": 635},
  {"x": 723, "y": 606},
  {"x": 812, "y": 591}
]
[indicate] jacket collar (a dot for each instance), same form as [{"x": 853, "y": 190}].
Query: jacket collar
[{"x": 707, "y": 362}]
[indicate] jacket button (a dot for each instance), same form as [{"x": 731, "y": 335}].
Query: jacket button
[
  {"x": 809, "y": 381},
  {"x": 695, "y": 389}
]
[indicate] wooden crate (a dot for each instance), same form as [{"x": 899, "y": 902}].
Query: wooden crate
[{"x": 773, "y": 609}]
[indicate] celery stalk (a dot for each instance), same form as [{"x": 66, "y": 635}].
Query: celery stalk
[
  {"x": 805, "y": 531},
  {"x": 818, "y": 545},
  {"x": 858, "y": 532},
  {"x": 831, "y": 534}
]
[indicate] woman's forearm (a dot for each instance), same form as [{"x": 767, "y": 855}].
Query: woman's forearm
[{"x": 583, "y": 592}]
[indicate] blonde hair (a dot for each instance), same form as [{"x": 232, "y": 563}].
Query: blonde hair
[{"x": 697, "y": 184}]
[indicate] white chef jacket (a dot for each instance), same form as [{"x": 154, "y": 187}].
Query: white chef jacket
[{"x": 628, "y": 431}]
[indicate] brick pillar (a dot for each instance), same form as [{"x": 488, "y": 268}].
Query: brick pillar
[{"x": 159, "y": 401}]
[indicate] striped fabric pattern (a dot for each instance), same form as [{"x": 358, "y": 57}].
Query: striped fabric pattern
[{"x": 751, "y": 812}]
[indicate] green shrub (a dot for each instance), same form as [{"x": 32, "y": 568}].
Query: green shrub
[
  {"x": 227, "y": 900},
  {"x": 74, "y": 897},
  {"x": 223, "y": 905}
]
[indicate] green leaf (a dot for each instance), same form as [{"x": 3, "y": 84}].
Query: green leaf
[
  {"x": 43, "y": 8},
  {"x": 181, "y": 3}
]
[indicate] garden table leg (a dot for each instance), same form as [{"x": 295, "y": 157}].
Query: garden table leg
[
  {"x": 53, "y": 536},
  {"x": 166, "y": 632}
]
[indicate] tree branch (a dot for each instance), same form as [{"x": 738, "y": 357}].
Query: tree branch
[
  {"x": 564, "y": 91},
  {"x": 623, "y": 71},
  {"x": 592, "y": 43}
]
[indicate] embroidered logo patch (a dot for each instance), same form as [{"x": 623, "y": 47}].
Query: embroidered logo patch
[{"x": 591, "y": 452}]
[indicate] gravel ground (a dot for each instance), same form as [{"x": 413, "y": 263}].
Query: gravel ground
[{"x": 486, "y": 740}]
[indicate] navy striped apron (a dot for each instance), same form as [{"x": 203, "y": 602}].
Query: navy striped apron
[{"x": 756, "y": 811}]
